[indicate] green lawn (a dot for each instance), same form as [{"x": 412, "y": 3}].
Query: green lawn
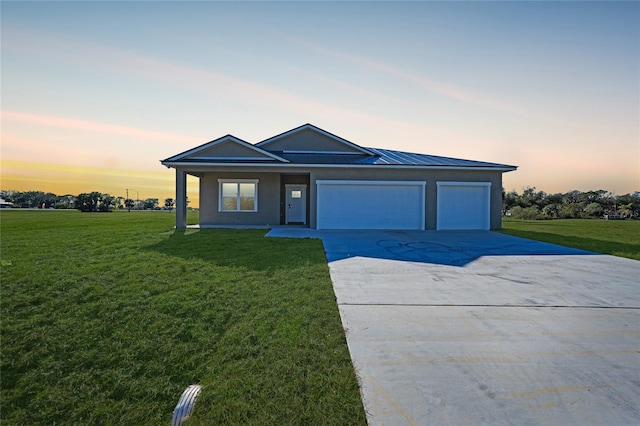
[
  {"x": 107, "y": 317},
  {"x": 615, "y": 237}
]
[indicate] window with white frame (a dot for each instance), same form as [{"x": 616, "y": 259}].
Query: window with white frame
[{"x": 239, "y": 195}]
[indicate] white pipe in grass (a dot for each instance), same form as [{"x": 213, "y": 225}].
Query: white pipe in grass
[{"x": 185, "y": 404}]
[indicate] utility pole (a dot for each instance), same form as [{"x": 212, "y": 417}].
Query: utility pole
[{"x": 128, "y": 201}]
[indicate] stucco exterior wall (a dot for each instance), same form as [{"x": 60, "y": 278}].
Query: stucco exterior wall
[
  {"x": 268, "y": 200},
  {"x": 269, "y": 196}
]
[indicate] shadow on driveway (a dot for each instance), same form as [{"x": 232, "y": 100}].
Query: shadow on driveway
[{"x": 453, "y": 248}]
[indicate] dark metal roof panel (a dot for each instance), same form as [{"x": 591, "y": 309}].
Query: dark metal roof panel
[
  {"x": 313, "y": 158},
  {"x": 388, "y": 156},
  {"x": 385, "y": 157},
  {"x": 229, "y": 161}
]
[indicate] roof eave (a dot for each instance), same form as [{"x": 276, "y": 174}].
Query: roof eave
[{"x": 504, "y": 168}]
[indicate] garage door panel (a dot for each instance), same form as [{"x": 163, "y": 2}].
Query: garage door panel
[
  {"x": 463, "y": 206},
  {"x": 374, "y": 205}
]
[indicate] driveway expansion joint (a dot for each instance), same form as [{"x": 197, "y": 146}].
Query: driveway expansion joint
[{"x": 439, "y": 305}]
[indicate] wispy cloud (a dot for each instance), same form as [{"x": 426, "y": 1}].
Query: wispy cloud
[
  {"x": 374, "y": 128},
  {"x": 442, "y": 88},
  {"x": 92, "y": 126},
  {"x": 201, "y": 80}
]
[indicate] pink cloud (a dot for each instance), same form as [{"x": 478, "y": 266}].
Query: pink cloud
[
  {"x": 82, "y": 54},
  {"x": 372, "y": 129},
  {"x": 92, "y": 126}
]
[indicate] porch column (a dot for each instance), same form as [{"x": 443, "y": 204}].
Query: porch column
[{"x": 181, "y": 199}]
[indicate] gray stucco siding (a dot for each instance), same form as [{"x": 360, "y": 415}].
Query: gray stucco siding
[
  {"x": 269, "y": 196},
  {"x": 306, "y": 154},
  {"x": 268, "y": 200}
]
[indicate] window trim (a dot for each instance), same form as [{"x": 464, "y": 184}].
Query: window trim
[{"x": 237, "y": 182}]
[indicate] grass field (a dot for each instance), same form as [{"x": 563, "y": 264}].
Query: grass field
[
  {"x": 108, "y": 317},
  {"x": 615, "y": 237}
]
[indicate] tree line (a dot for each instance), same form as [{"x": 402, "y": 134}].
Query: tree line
[
  {"x": 86, "y": 202},
  {"x": 532, "y": 204}
]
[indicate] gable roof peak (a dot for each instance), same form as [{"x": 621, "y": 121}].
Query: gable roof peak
[
  {"x": 314, "y": 128},
  {"x": 227, "y": 138}
]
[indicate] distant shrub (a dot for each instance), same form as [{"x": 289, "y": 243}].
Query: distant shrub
[
  {"x": 593, "y": 210},
  {"x": 529, "y": 213}
]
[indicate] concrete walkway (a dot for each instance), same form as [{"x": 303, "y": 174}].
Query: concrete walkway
[{"x": 476, "y": 328}]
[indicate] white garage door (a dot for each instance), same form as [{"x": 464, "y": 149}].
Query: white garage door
[
  {"x": 370, "y": 204},
  {"x": 463, "y": 205}
]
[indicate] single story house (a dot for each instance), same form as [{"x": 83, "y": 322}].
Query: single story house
[
  {"x": 5, "y": 204},
  {"x": 308, "y": 176}
]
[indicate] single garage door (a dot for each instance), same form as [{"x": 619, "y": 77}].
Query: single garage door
[
  {"x": 463, "y": 205},
  {"x": 370, "y": 204}
]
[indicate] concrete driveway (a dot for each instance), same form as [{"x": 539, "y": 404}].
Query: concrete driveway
[{"x": 463, "y": 328}]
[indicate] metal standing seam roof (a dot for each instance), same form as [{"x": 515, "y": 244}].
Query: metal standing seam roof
[
  {"x": 367, "y": 156},
  {"x": 381, "y": 157},
  {"x": 384, "y": 157},
  {"x": 378, "y": 157}
]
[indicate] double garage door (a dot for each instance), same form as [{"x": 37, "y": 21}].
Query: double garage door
[{"x": 399, "y": 205}]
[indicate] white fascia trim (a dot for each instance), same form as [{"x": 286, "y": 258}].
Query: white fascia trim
[
  {"x": 342, "y": 166},
  {"x": 446, "y": 183},
  {"x": 372, "y": 182}
]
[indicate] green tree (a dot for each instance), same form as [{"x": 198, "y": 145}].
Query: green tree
[
  {"x": 117, "y": 202},
  {"x": 94, "y": 202},
  {"x": 30, "y": 199},
  {"x": 593, "y": 210},
  {"x": 65, "y": 201},
  {"x": 106, "y": 203},
  {"x": 532, "y": 198},
  {"x": 129, "y": 203},
  {"x": 550, "y": 211},
  {"x": 509, "y": 200},
  {"x": 88, "y": 201},
  {"x": 150, "y": 203}
]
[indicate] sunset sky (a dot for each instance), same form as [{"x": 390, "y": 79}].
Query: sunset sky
[{"x": 94, "y": 94}]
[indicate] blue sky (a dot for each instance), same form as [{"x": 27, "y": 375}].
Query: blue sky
[{"x": 95, "y": 93}]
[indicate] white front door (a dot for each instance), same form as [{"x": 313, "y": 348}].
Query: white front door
[{"x": 296, "y": 204}]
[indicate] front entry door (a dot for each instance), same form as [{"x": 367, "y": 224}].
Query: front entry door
[{"x": 296, "y": 204}]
